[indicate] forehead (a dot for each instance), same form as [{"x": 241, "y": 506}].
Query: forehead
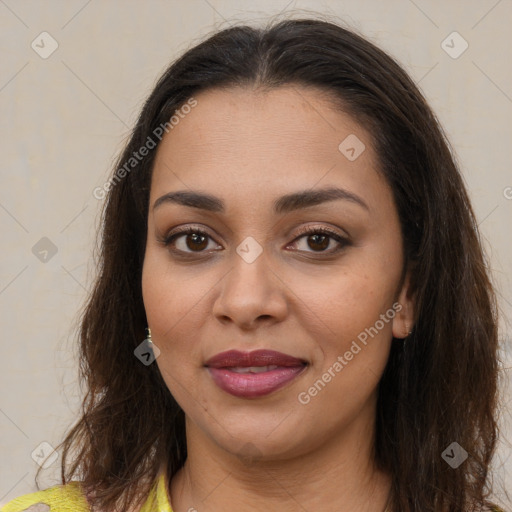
[
  {"x": 259, "y": 142},
  {"x": 283, "y": 118}
]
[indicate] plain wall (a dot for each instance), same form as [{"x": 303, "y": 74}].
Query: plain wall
[{"x": 65, "y": 117}]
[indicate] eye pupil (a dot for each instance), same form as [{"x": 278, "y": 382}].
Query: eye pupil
[
  {"x": 198, "y": 241},
  {"x": 321, "y": 240}
]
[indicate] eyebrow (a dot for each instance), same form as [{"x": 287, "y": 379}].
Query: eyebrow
[{"x": 287, "y": 203}]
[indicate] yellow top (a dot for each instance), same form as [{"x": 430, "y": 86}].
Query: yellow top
[{"x": 70, "y": 498}]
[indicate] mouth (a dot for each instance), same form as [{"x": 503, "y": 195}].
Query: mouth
[{"x": 253, "y": 374}]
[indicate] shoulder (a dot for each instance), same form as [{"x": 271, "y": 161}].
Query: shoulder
[{"x": 59, "y": 498}]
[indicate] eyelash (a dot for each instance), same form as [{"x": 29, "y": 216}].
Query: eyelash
[{"x": 308, "y": 231}]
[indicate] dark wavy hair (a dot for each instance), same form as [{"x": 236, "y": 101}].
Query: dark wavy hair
[{"x": 439, "y": 387}]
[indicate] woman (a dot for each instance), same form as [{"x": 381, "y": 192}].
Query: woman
[{"x": 289, "y": 227}]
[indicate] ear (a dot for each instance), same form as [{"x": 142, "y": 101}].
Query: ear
[{"x": 403, "y": 321}]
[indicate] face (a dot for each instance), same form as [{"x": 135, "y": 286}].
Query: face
[{"x": 284, "y": 247}]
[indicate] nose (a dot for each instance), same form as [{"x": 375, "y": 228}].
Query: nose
[{"x": 251, "y": 294}]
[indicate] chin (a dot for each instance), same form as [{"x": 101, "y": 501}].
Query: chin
[{"x": 256, "y": 435}]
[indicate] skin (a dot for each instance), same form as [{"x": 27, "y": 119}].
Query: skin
[{"x": 248, "y": 148}]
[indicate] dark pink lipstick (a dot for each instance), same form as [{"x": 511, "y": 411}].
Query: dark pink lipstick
[{"x": 253, "y": 374}]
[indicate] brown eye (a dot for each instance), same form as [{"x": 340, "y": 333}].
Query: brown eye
[
  {"x": 189, "y": 240},
  {"x": 196, "y": 241},
  {"x": 318, "y": 242},
  {"x": 319, "y": 239}
]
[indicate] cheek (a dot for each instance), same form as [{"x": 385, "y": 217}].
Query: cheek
[
  {"x": 338, "y": 309},
  {"x": 171, "y": 297},
  {"x": 170, "y": 306},
  {"x": 354, "y": 341}
]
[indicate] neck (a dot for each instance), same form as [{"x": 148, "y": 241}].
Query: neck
[{"x": 338, "y": 475}]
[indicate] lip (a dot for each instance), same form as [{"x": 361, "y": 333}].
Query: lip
[
  {"x": 252, "y": 385},
  {"x": 235, "y": 358}
]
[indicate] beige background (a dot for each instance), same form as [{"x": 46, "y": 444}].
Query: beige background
[{"x": 65, "y": 117}]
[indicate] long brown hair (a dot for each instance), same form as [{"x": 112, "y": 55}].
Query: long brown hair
[{"x": 438, "y": 388}]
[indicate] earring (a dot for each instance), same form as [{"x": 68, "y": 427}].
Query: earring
[{"x": 151, "y": 346}]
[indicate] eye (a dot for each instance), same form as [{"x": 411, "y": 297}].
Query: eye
[
  {"x": 188, "y": 240},
  {"x": 319, "y": 239},
  {"x": 193, "y": 239}
]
